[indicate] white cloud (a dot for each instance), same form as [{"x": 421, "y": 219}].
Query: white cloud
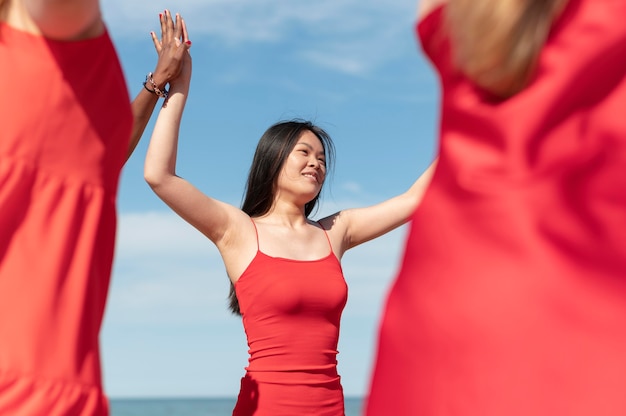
[
  {"x": 165, "y": 271},
  {"x": 167, "y": 310},
  {"x": 349, "y": 36},
  {"x": 352, "y": 187},
  {"x": 261, "y": 20},
  {"x": 159, "y": 233},
  {"x": 342, "y": 60}
]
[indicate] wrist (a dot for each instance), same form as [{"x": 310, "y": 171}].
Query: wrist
[
  {"x": 159, "y": 79},
  {"x": 151, "y": 86}
]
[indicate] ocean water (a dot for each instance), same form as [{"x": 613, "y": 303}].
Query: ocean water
[{"x": 194, "y": 406}]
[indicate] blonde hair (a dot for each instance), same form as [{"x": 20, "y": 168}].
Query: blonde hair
[{"x": 497, "y": 42}]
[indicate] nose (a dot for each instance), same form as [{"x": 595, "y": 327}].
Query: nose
[{"x": 314, "y": 162}]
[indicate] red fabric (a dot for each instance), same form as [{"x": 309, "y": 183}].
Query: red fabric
[
  {"x": 65, "y": 128},
  {"x": 291, "y": 313},
  {"x": 511, "y": 297}
]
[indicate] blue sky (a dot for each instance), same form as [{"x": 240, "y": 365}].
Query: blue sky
[{"x": 354, "y": 68}]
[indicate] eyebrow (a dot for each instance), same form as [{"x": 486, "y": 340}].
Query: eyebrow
[{"x": 323, "y": 152}]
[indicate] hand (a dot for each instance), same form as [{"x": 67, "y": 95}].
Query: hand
[
  {"x": 172, "y": 48},
  {"x": 184, "y": 76}
]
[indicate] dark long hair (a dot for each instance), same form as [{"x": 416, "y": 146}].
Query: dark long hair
[{"x": 273, "y": 148}]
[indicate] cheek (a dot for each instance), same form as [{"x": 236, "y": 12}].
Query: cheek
[
  {"x": 290, "y": 165},
  {"x": 295, "y": 163}
]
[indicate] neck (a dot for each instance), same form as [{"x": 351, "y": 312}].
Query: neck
[{"x": 286, "y": 214}]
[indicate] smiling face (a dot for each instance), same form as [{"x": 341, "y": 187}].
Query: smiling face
[
  {"x": 277, "y": 158},
  {"x": 304, "y": 170}
]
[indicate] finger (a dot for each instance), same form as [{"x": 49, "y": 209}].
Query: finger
[
  {"x": 162, "y": 19},
  {"x": 155, "y": 40},
  {"x": 169, "y": 25},
  {"x": 178, "y": 29},
  {"x": 183, "y": 27}
]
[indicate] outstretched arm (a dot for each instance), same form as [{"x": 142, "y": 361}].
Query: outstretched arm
[
  {"x": 356, "y": 226},
  {"x": 170, "y": 57}
]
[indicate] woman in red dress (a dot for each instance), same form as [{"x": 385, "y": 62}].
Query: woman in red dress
[
  {"x": 64, "y": 137},
  {"x": 284, "y": 267},
  {"x": 511, "y": 298}
]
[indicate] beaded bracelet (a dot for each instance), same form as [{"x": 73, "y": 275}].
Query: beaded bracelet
[{"x": 156, "y": 90}]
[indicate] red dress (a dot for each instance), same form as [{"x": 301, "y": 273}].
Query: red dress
[
  {"x": 65, "y": 128},
  {"x": 511, "y": 298},
  {"x": 291, "y": 311}
]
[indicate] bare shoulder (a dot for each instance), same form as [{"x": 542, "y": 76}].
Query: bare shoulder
[
  {"x": 67, "y": 20},
  {"x": 334, "y": 223},
  {"x": 336, "y": 226},
  {"x": 427, "y": 6}
]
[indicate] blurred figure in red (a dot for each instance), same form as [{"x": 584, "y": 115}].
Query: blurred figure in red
[
  {"x": 511, "y": 298},
  {"x": 64, "y": 137}
]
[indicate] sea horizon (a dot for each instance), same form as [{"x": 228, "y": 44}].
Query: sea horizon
[{"x": 194, "y": 406}]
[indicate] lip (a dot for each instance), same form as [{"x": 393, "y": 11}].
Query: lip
[{"x": 313, "y": 174}]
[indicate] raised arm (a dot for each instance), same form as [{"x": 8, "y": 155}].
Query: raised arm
[
  {"x": 352, "y": 227},
  {"x": 170, "y": 57},
  {"x": 56, "y": 19},
  {"x": 210, "y": 216}
]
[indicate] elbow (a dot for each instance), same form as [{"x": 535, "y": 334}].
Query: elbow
[
  {"x": 153, "y": 178},
  {"x": 150, "y": 181},
  {"x": 157, "y": 171}
]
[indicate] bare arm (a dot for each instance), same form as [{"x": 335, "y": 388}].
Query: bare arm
[
  {"x": 356, "y": 226},
  {"x": 142, "y": 107},
  {"x": 210, "y": 216},
  {"x": 170, "y": 57}
]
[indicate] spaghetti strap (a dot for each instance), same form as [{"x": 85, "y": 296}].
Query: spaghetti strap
[
  {"x": 326, "y": 234},
  {"x": 257, "y": 234}
]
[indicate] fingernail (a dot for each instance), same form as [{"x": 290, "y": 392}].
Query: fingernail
[
  {"x": 160, "y": 15},
  {"x": 188, "y": 42}
]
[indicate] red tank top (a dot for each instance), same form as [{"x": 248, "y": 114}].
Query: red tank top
[{"x": 291, "y": 311}]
